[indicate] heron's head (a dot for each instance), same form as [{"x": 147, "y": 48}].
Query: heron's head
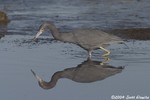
[
  {"x": 42, "y": 28},
  {"x": 48, "y": 85},
  {"x": 43, "y": 84}
]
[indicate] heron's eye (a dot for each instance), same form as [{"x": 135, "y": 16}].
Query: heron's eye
[{"x": 42, "y": 29}]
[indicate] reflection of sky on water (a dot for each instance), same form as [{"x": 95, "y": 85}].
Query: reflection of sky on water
[{"x": 18, "y": 56}]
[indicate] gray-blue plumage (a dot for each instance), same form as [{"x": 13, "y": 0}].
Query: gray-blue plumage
[{"x": 88, "y": 39}]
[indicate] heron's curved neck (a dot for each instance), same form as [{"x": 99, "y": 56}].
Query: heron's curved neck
[
  {"x": 56, "y": 34},
  {"x": 52, "y": 82}
]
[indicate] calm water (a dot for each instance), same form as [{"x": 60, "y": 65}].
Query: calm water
[{"x": 18, "y": 55}]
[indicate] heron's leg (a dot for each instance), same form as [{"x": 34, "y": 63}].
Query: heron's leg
[
  {"x": 89, "y": 53},
  {"x": 106, "y": 59},
  {"x": 107, "y": 51}
]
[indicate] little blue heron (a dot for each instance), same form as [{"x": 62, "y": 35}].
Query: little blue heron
[
  {"x": 88, "y": 39},
  {"x": 86, "y": 72}
]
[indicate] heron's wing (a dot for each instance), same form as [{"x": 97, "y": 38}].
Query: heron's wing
[
  {"x": 68, "y": 37},
  {"x": 92, "y": 37}
]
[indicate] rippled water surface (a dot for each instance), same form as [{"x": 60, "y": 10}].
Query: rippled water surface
[{"x": 126, "y": 73}]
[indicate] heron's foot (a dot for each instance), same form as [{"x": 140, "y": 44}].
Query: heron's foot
[
  {"x": 106, "y": 54},
  {"x": 106, "y": 59}
]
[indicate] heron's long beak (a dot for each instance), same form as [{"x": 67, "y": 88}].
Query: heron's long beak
[
  {"x": 36, "y": 76},
  {"x": 37, "y": 35}
]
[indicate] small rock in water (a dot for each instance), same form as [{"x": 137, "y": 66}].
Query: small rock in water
[{"x": 3, "y": 18}]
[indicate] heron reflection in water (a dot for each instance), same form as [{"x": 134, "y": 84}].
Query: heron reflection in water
[
  {"x": 86, "y": 72},
  {"x": 88, "y": 39}
]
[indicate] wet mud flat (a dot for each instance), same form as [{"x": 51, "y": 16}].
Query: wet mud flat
[{"x": 27, "y": 16}]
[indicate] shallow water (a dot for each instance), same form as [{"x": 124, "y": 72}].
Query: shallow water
[{"x": 19, "y": 54}]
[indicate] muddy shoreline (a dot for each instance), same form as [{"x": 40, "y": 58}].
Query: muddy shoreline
[{"x": 134, "y": 33}]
